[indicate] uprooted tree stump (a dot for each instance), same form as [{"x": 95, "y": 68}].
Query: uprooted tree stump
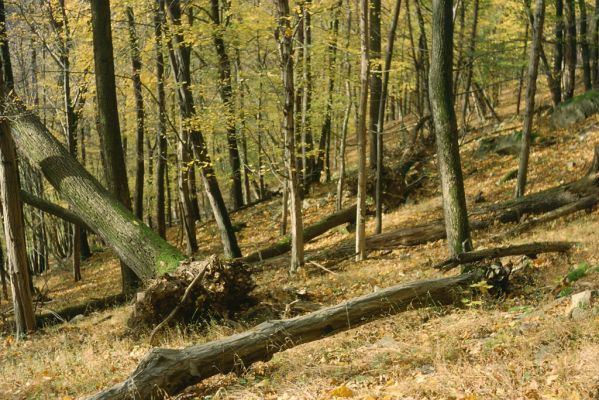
[{"x": 224, "y": 287}]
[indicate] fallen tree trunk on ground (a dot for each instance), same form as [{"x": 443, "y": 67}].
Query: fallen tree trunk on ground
[
  {"x": 50, "y": 317},
  {"x": 170, "y": 371},
  {"x": 347, "y": 215},
  {"x": 146, "y": 253},
  {"x": 498, "y": 252}
]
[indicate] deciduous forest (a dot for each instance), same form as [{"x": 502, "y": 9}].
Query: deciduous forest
[{"x": 299, "y": 199}]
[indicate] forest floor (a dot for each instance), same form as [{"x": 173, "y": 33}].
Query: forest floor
[{"x": 520, "y": 346}]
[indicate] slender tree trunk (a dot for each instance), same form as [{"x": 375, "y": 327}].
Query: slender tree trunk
[
  {"x": 179, "y": 53},
  {"x": 361, "y": 132},
  {"x": 342, "y": 145},
  {"x": 286, "y": 54},
  {"x": 161, "y": 158},
  {"x": 584, "y": 46},
  {"x": 533, "y": 67},
  {"x": 308, "y": 174},
  {"x": 521, "y": 79},
  {"x": 570, "y": 50},
  {"x": 325, "y": 132},
  {"x": 12, "y": 207},
  {"x": 448, "y": 154},
  {"x": 470, "y": 65},
  {"x": 138, "y": 197},
  {"x": 381, "y": 118},
  {"x": 595, "y": 47},
  {"x": 460, "y": 43},
  {"x": 226, "y": 95},
  {"x": 374, "y": 31},
  {"x": 187, "y": 218}
]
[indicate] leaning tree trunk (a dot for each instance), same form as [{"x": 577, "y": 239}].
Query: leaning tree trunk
[
  {"x": 226, "y": 94},
  {"x": 448, "y": 153},
  {"x": 179, "y": 54},
  {"x": 533, "y": 68}
]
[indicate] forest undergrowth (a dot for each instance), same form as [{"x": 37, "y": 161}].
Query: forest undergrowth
[{"x": 521, "y": 345}]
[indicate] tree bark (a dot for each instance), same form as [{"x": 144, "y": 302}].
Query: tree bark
[
  {"x": 226, "y": 95},
  {"x": 284, "y": 37},
  {"x": 570, "y": 50},
  {"x": 375, "y": 86},
  {"x": 170, "y": 371},
  {"x": 109, "y": 128},
  {"x": 470, "y": 65},
  {"x": 595, "y": 47},
  {"x": 381, "y": 118},
  {"x": 584, "y": 46},
  {"x": 533, "y": 68},
  {"x": 179, "y": 54},
  {"x": 365, "y": 36},
  {"x": 448, "y": 153},
  {"x": 138, "y": 197}
]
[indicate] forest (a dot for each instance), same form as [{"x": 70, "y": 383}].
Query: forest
[{"x": 299, "y": 199}]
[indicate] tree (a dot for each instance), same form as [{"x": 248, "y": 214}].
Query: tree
[
  {"x": 584, "y": 46},
  {"x": 138, "y": 197},
  {"x": 12, "y": 207},
  {"x": 381, "y": 117},
  {"x": 570, "y": 50},
  {"x": 533, "y": 67},
  {"x": 108, "y": 118},
  {"x": 361, "y": 132},
  {"x": 179, "y": 54},
  {"x": 470, "y": 65},
  {"x": 226, "y": 95},
  {"x": 374, "y": 32},
  {"x": 443, "y": 113},
  {"x": 284, "y": 36}
]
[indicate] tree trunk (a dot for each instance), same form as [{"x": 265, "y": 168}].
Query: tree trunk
[
  {"x": 595, "y": 47},
  {"x": 226, "y": 95},
  {"x": 115, "y": 168},
  {"x": 170, "y": 371},
  {"x": 381, "y": 118},
  {"x": 448, "y": 154},
  {"x": 342, "y": 145},
  {"x": 570, "y": 50},
  {"x": 521, "y": 78},
  {"x": 286, "y": 54},
  {"x": 470, "y": 65},
  {"x": 558, "y": 51},
  {"x": 138, "y": 197},
  {"x": 161, "y": 158},
  {"x": 179, "y": 54},
  {"x": 308, "y": 174},
  {"x": 374, "y": 55},
  {"x": 10, "y": 197},
  {"x": 584, "y": 46},
  {"x": 533, "y": 68},
  {"x": 345, "y": 216},
  {"x": 361, "y": 131}
]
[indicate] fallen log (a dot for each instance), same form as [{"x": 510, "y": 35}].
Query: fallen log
[
  {"x": 169, "y": 371},
  {"x": 347, "y": 215},
  {"x": 498, "y": 252}
]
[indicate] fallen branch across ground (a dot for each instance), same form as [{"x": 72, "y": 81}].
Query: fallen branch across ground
[
  {"x": 497, "y": 252},
  {"x": 169, "y": 371},
  {"x": 347, "y": 215}
]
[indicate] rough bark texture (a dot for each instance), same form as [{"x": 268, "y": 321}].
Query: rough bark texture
[
  {"x": 448, "y": 153},
  {"x": 558, "y": 50},
  {"x": 170, "y": 371},
  {"x": 374, "y": 54},
  {"x": 531, "y": 89},
  {"x": 133, "y": 242},
  {"x": 584, "y": 46}
]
